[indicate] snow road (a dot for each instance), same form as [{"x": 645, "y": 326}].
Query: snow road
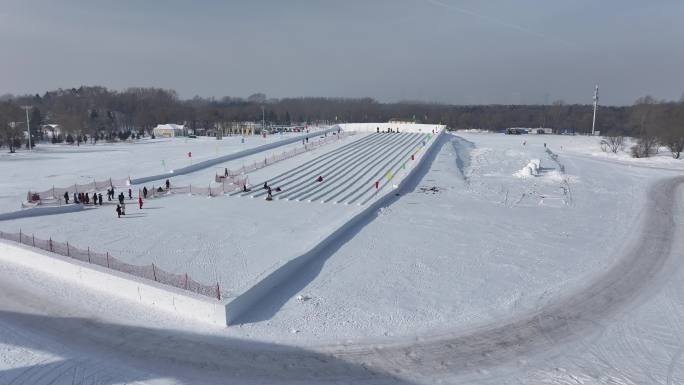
[{"x": 524, "y": 346}]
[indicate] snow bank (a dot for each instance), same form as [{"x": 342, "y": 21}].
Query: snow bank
[
  {"x": 40, "y": 211},
  {"x": 531, "y": 169},
  {"x": 165, "y": 298}
]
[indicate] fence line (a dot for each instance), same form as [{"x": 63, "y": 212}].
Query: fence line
[
  {"x": 150, "y": 272},
  {"x": 56, "y": 193},
  {"x": 256, "y": 165}
]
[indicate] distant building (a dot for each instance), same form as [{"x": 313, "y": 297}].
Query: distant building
[
  {"x": 51, "y": 130},
  {"x": 169, "y": 130},
  {"x": 540, "y": 130}
]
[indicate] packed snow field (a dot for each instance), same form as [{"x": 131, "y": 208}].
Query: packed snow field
[{"x": 516, "y": 259}]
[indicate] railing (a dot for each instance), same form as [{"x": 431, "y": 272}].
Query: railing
[
  {"x": 151, "y": 272},
  {"x": 55, "y": 194},
  {"x": 228, "y": 174}
]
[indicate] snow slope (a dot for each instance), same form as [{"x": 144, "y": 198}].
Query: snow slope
[{"x": 476, "y": 276}]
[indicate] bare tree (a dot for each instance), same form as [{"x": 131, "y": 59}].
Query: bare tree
[{"x": 613, "y": 142}]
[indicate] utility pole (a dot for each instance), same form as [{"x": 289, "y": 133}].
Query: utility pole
[
  {"x": 263, "y": 120},
  {"x": 28, "y": 127},
  {"x": 596, "y": 99}
]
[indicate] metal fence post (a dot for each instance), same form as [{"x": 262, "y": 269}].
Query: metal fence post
[
  {"x": 107, "y": 259},
  {"x": 186, "y": 281},
  {"x": 33, "y": 237},
  {"x": 218, "y": 291},
  {"x": 19, "y": 235},
  {"x": 68, "y": 249},
  {"x": 51, "y": 244},
  {"x": 154, "y": 273},
  {"x": 88, "y": 254}
]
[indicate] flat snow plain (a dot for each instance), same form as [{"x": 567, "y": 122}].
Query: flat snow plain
[{"x": 433, "y": 290}]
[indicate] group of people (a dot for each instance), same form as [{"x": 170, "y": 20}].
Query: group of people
[
  {"x": 269, "y": 195},
  {"x": 84, "y": 198},
  {"x": 391, "y": 131}
]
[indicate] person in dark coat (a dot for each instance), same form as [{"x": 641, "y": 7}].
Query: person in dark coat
[
  {"x": 118, "y": 211},
  {"x": 76, "y": 198},
  {"x": 66, "y": 197},
  {"x": 145, "y": 192},
  {"x": 265, "y": 185},
  {"x": 168, "y": 184},
  {"x": 99, "y": 198},
  {"x": 140, "y": 203},
  {"x": 86, "y": 198},
  {"x": 121, "y": 198},
  {"x": 130, "y": 194}
]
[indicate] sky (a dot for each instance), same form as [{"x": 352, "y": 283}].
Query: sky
[{"x": 448, "y": 51}]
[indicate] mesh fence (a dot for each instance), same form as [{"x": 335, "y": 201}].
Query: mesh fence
[
  {"x": 226, "y": 185},
  {"x": 230, "y": 175},
  {"x": 151, "y": 272},
  {"x": 55, "y": 194}
]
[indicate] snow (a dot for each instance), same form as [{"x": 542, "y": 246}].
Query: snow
[{"x": 468, "y": 278}]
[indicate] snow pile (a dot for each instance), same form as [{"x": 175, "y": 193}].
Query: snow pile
[{"x": 532, "y": 169}]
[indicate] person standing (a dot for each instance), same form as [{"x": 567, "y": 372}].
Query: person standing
[
  {"x": 66, "y": 197},
  {"x": 168, "y": 184},
  {"x": 123, "y": 207},
  {"x": 140, "y": 203},
  {"x": 145, "y": 192},
  {"x": 99, "y": 198},
  {"x": 130, "y": 194},
  {"x": 118, "y": 211}
]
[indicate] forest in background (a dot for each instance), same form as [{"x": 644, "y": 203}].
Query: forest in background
[{"x": 97, "y": 113}]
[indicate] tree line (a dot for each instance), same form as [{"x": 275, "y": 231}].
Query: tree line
[{"x": 97, "y": 113}]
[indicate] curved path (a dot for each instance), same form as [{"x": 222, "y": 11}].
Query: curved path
[{"x": 197, "y": 358}]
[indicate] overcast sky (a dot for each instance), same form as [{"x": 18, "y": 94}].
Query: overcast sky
[{"x": 453, "y": 51}]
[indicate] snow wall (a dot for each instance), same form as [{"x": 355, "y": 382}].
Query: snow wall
[
  {"x": 40, "y": 210},
  {"x": 259, "y": 293},
  {"x": 403, "y": 127},
  {"x": 162, "y": 297}
]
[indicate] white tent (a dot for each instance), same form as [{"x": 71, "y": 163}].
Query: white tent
[{"x": 169, "y": 130}]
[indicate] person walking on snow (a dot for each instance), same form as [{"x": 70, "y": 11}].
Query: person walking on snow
[
  {"x": 130, "y": 194},
  {"x": 145, "y": 192},
  {"x": 118, "y": 211},
  {"x": 140, "y": 203},
  {"x": 121, "y": 198},
  {"x": 99, "y": 198},
  {"x": 66, "y": 197},
  {"x": 123, "y": 208},
  {"x": 168, "y": 184}
]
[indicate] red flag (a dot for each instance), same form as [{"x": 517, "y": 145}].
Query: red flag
[{"x": 189, "y": 154}]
